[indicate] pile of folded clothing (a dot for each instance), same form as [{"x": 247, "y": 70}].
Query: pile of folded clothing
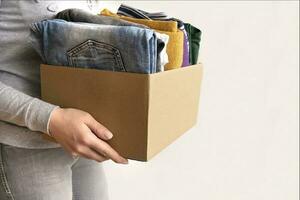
[{"x": 130, "y": 40}]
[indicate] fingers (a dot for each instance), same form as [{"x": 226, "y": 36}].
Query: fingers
[
  {"x": 90, "y": 154},
  {"x": 91, "y": 141},
  {"x": 107, "y": 151},
  {"x": 98, "y": 129}
]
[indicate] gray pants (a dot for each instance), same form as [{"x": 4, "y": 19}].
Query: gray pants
[{"x": 49, "y": 174}]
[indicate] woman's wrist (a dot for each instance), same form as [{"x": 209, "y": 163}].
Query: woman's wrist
[{"x": 53, "y": 117}]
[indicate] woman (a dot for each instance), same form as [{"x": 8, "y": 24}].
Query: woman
[{"x": 32, "y": 168}]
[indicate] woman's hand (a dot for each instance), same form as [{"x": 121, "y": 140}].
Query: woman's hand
[{"x": 80, "y": 134}]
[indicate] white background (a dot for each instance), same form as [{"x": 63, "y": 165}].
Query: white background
[{"x": 245, "y": 145}]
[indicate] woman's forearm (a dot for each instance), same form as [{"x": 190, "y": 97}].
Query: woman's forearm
[{"x": 23, "y": 110}]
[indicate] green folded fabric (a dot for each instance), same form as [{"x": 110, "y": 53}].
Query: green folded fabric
[{"x": 194, "y": 35}]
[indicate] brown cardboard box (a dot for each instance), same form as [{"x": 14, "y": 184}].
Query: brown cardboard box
[{"x": 145, "y": 112}]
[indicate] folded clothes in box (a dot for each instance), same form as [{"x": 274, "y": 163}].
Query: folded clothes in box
[
  {"x": 145, "y": 112},
  {"x": 140, "y": 43},
  {"x": 113, "y": 67}
]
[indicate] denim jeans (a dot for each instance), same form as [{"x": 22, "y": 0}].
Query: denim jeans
[
  {"x": 78, "y": 15},
  {"x": 106, "y": 47},
  {"x": 49, "y": 174}
]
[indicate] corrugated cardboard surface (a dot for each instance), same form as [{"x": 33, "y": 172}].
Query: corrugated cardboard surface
[
  {"x": 173, "y": 106},
  {"x": 144, "y": 112},
  {"x": 117, "y": 100}
]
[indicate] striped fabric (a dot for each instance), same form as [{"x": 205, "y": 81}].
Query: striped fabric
[{"x": 140, "y": 14}]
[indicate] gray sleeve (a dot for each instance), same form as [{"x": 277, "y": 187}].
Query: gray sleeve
[{"x": 24, "y": 110}]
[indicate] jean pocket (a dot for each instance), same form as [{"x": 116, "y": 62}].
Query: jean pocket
[{"x": 96, "y": 55}]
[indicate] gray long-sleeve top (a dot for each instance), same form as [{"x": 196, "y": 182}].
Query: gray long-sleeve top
[{"x": 23, "y": 116}]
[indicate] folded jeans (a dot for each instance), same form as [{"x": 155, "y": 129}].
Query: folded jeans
[
  {"x": 79, "y": 15},
  {"x": 96, "y": 46}
]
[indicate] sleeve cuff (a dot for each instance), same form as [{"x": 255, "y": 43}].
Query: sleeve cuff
[
  {"x": 47, "y": 128},
  {"x": 38, "y": 118}
]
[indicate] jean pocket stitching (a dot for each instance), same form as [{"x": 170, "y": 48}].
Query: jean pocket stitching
[
  {"x": 119, "y": 60},
  {"x": 3, "y": 177},
  {"x": 77, "y": 49},
  {"x": 100, "y": 45}
]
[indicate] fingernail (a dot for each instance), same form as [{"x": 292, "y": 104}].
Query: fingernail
[
  {"x": 108, "y": 135},
  {"x": 124, "y": 161}
]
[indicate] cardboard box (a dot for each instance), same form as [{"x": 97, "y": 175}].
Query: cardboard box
[{"x": 145, "y": 112}]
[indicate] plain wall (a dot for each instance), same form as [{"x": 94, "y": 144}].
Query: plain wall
[{"x": 245, "y": 145}]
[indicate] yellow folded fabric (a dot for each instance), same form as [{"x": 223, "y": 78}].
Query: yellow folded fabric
[
  {"x": 175, "y": 44},
  {"x": 157, "y": 24},
  {"x": 174, "y": 49}
]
